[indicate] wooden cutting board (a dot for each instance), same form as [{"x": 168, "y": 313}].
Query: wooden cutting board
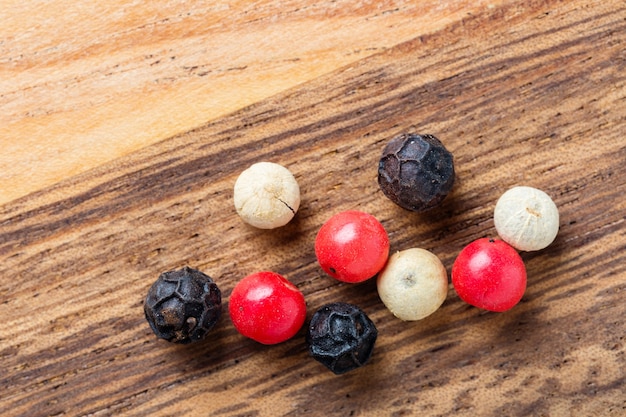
[
  {"x": 124, "y": 132},
  {"x": 83, "y": 83}
]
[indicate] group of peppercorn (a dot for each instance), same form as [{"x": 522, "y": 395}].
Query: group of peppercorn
[{"x": 416, "y": 172}]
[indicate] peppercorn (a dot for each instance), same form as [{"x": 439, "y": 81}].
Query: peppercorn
[
  {"x": 413, "y": 284},
  {"x": 416, "y": 171},
  {"x": 526, "y": 218},
  {"x": 352, "y": 246},
  {"x": 341, "y": 337},
  {"x": 266, "y": 195},
  {"x": 489, "y": 274},
  {"x": 267, "y": 307},
  {"x": 183, "y": 306}
]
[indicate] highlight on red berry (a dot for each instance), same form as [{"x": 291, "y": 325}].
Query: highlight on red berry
[
  {"x": 489, "y": 274},
  {"x": 267, "y": 307},
  {"x": 352, "y": 246}
]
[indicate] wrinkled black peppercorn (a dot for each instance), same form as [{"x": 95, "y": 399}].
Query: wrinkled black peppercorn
[
  {"x": 341, "y": 337},
  {"x": 416, "y": 171},
  {"x": 183, "y": 306}
]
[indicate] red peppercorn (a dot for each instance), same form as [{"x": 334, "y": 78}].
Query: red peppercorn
[
  {"x": 489, "y": 274},
  {"x": 266, "y": 307},
  {"x": 352, "y": 246}
]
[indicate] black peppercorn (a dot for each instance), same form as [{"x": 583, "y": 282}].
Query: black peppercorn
[
  {"x": 183, "y": 306},
  {"x": 416, "y": 171},
  {"x": 341, "y": 337}
]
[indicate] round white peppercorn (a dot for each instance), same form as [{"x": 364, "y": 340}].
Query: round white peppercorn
[
  {"x": 526, "y": 218},
  {"x": 413, "y": 284},
  {"x": 266, "y": 195}
]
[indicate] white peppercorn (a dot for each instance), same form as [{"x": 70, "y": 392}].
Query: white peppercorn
[
  {"x": 266, "y": 195},
  {"x": 526, "y": 218},
  {"x": 413, "y": 284}
]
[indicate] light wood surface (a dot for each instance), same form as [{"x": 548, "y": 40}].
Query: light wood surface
[
  {"x": 522, "y": 93},
  {"x": 83, "y": 82}
]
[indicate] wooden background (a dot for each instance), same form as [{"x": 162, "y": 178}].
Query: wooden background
[{"x": 124, "y": 127}]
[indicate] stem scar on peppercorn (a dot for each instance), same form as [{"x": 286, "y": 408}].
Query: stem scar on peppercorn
[{"x": 533, "y": 212}]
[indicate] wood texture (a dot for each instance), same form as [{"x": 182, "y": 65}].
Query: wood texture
[
  {"x": 83, "y": 82},
  {"x": 529, "y": 93}
]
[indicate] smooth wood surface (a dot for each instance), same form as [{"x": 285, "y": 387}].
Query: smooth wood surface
[
  {"x": 83, "y": 82},
  {"x": 530, "y": 93}
]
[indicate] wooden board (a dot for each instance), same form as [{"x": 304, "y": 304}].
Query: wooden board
[
  {"x": 83, "y": 83},
  {"x": 526, "y": 93}
]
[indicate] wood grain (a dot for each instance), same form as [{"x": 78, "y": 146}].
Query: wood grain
[
  {"x": 83, "y": 82},
  {"x": 529, "y": 93}
]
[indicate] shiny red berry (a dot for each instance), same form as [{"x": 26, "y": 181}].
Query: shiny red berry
[
  {"x": 489, "y": 274},
  {"x": 266, "y": 307},
  {"x": 352, "y": 246}
]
